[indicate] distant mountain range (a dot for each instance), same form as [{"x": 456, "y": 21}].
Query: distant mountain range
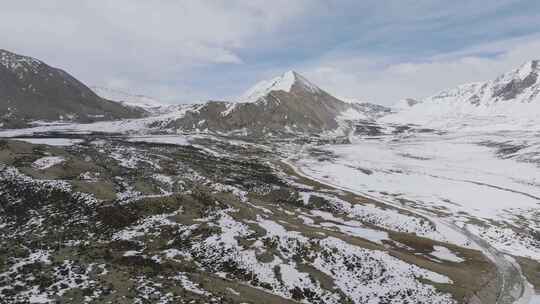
[
  {"x": 515, "y": 94},
  {"x": 31, "y": 90},
  {"x": 286, "y": 104}
]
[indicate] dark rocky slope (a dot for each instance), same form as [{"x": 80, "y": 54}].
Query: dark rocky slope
[{"x": 32, "y": 90}]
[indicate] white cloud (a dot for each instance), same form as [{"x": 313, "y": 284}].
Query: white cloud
[
  {"x": 147, "y": 42},
  {"x": 380, "y": 80},
  {"x": 179, "y": 50}
]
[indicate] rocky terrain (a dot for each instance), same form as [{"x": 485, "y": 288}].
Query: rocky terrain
[
  {"x": 176, "y": 219},
  {"x": 31, "y": 90}
]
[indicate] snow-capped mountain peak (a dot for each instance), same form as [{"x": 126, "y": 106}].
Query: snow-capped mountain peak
[{"x": 284, "y": 82}]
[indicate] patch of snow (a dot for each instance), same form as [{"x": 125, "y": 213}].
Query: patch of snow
[
  {"x": 131, "y": 253},
  {"x": 47, "y": 162},
  {"x": 89, "y": 176},
  {"x": 149, "y": 227},
  {"x": 188, "y": 285},
  {"x": 165, "y": 179},
  {"x": 305, "y": 196},
  {"x": 353, "y": 228},
  {"x": 162, "y": 139},
  {"x": 53, "y": 141},
  {"x": 444, "y": 253},
  {"x": 229, "y": 109}
]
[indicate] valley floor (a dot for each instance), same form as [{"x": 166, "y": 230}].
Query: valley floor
[
  {"x": 485, "y": 183},
  {"x": 103, "y": 218}
]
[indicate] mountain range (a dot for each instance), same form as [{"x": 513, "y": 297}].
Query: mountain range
[
  {"x": 32, "y": 91},
  {"x": 514, "y": 95}
]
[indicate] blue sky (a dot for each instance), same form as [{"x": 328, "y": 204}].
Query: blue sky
[{"x": 188, "y": 51}]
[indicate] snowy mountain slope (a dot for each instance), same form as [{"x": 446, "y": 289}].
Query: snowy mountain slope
[
  {"x": 31, "y": 90},
  {"x": 285, "y": 104},
  {"x": 514, "y": 95},
  {"x": 127, "y": 99}
]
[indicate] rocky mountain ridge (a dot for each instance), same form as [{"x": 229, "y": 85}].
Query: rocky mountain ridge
[{"x": 31, "y": 90}]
